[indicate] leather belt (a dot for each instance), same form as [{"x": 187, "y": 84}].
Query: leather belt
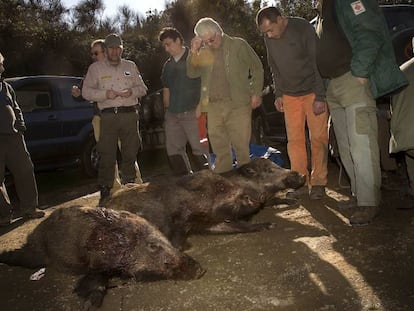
[{"x": 119, "y": 109}]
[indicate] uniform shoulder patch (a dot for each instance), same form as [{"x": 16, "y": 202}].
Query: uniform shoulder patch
[{"x": 358, "y": 7}]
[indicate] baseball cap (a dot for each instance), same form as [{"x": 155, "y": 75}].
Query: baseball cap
[{"x": 113, "y": 40}]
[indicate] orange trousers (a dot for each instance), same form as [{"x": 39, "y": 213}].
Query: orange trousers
[{"x": 299, "y": 112}]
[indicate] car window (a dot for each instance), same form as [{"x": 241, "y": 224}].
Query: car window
[
  {"x": 399, "y": 18},
  {"x": 34, "y": 97},
  {"x": 68, "y": 101}
]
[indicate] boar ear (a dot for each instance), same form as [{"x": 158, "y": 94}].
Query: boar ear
[
  {"x": 248, "y": 171},
  {"x": 189, "y": 182}
]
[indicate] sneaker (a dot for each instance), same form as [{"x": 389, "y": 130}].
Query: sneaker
[
  {"x": 317, "y": 192},
  {"x": 347, "y": 204},
  {"x": 364, "y": 215},
  {"x": 298, "y": 193},
  {"x": 33, "y": 214}
]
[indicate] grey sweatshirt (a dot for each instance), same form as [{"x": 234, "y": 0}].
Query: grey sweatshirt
[{"x": 293, "y": 62}]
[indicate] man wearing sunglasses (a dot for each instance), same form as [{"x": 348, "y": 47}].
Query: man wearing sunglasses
[
  {"x": 231, "y": 86},
  {"x": 98, "y": 53}
]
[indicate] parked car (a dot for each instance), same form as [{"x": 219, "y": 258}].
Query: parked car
[
  {"x": 400, "y": 21},
  {"x": 59, "y": 130},
  {"x": 151, "y": 114},
  {"x": 268, "y": 125}
]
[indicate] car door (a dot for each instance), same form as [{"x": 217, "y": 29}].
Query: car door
[
  {"x": 36, "y": 99},
  {"x": 76, "y": 116}
]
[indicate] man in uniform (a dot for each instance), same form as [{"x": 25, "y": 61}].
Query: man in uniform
[
  {"x": 98, "y": 53},
  {"x": 115, "y": 84}
]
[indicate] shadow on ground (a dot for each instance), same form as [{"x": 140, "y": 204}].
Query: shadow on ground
[{"x": 312, "y": 260}]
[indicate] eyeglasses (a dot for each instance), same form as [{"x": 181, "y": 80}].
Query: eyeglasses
[
  {"x": 211, "y": 40},
  {"x": 96, "y": 53}
]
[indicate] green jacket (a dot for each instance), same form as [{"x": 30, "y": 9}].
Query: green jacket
[
  {"x": 244, "y": 70},
  {"x": 372, "y": 52}
]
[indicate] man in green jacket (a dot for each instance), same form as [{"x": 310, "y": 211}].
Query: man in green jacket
[
  {"x": 231, "y": 86},
  {"x": 356, "y": 55}
]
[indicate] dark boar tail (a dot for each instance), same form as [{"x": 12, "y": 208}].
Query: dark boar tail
[{"x": 22, "y": 257}]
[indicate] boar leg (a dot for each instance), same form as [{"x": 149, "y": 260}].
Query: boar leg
[
  {"x": 239, "y": 227},
  {"x": 92, "y": 289},
  {"x": 279, "y": 201},
  {"x": 179, "y": 240}
]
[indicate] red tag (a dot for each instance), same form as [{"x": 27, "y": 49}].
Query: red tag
[{"x": 358, "y": 7}]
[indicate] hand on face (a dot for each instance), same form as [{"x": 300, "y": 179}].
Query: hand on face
[{"x": 196, "y": 44}]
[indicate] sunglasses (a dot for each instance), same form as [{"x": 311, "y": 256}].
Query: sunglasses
[{"x": 96, "y": 53}]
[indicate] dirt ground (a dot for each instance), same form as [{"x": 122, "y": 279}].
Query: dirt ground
[{"x": 312, "y": 260}]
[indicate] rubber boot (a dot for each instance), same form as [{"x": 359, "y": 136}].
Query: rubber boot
[
  {"x": 105, "y": 195},
  {"x": 5, "y": 207},
  {"x": 200, "y": 162},
  {"x": 177, "y": 165}
]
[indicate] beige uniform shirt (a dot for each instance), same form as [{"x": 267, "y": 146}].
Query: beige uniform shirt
[{"x": 102, "y": 76}]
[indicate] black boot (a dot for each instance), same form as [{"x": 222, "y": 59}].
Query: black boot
[
  {"x": 178, "y": 165},
  {"x": 105, "y": 195},
  {"x": 200, "y": 162},
  {"x": 5, "y": 217}
]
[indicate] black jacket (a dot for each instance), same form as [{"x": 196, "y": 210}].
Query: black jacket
[{"x": 11, "y": 117}]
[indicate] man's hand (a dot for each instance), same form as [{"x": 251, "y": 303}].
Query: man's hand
[
  {"x": 198, "y": 111},
  {"x": 255, "y": 101},
  {"x": 196, "y": 43},
  {"x": 111, "y": 94},
  {"x": 279, "y": 104},
  {"x": 319, "y": 107},
  {"x": 362, "y": 80},
  {"x": 125, "y": 93},
  {"x": 76, "y": 91}
]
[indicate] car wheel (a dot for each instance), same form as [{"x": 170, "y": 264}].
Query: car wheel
[
  {"x": 258, "y": 132},
  {"x": 90, "y": 158}
]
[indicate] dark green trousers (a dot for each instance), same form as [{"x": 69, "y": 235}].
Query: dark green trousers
[
  {"x": 122, "y": 126},
  {"x": 14, "y": 156}
]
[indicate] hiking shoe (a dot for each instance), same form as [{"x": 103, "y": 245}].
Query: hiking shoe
[
  {"x": 364, "y": 215},
  {"x": 347, "y": 204},
  {"x": 33, "y": 214},
  {"x": 298, "y": 193},
  {"x": 317, "y": 192}
]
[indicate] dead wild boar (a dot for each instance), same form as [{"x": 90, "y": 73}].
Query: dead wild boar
[
  {"x": 196, "y": 203},
  {"x": 101, "y": 243},
  {"x": 262, "y": 179}
]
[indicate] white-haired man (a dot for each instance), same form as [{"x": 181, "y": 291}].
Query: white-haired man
[{"x": 231, "y": 86}]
